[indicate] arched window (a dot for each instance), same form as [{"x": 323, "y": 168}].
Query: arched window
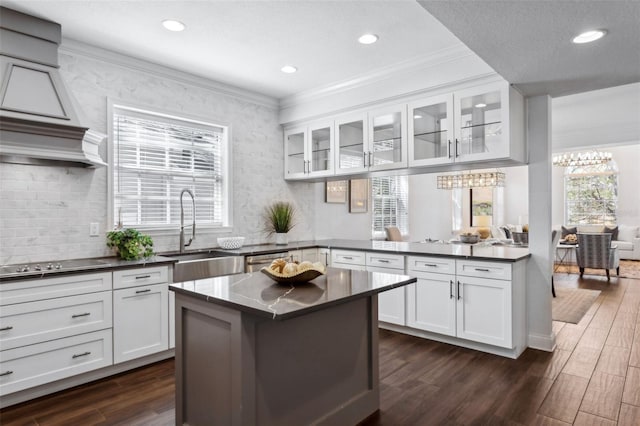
[{"x": 591, "y": 194}]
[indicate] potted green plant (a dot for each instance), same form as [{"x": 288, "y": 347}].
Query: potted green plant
[
  {"x": 130, "y": 244},
  {"x": 279, "y": 219}
]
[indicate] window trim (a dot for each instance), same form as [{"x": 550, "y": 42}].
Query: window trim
[
  {"x": 382, "y": 234},
  {"x": 227, "y": 213}
]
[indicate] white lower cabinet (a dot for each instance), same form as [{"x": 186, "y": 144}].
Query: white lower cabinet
[
  {"x": 141, "y": 322},
  {"x": 465, "y": 304},
  {"x": 27, "y": 366},
  {"x": 431, "y": 303}
]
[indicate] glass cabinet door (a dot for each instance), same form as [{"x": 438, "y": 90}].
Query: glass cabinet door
[
  {"x": 430, "y": 131},
  {"x": 480, "y": 120},
  {"x": 295, "y": 159},
  {"x": 351, "y": 144},
  {"x": 387, "y": 139},
  {"x": 320, "y": 149}
]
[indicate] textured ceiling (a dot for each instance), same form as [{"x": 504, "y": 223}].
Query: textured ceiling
[
  {"x": 245, "y": 43},
  {"x": 529, "y": 42}
]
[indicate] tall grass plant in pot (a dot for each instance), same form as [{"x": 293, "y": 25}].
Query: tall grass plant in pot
[{"x": 279, "y": 219}]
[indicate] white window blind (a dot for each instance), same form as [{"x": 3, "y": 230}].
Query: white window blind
[
  {"x": 155, "y": 157},
  {"x": 390, "y": 197}
]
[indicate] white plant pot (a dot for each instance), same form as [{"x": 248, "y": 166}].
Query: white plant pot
[{"x": 281, "y": 238}]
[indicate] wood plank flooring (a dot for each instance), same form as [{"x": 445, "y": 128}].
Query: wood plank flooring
[{"x": 592, "y": 378}]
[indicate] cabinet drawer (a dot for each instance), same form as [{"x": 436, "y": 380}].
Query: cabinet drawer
[
  {"x": 34, "y": 365},
  {"x": 348, "y": 257},
  {"x": 496, "y": 270},
  {"x": 48, "y": 288},
  {"x": 35, "y": 322},
  {"x": 439, "y": 265},
  {"x": 140, "y": 276},
  {"x": 394, "y": 261}
]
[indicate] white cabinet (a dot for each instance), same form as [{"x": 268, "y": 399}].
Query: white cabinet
[
  {"x": 54, "y": 328},
  {"x": 387, "y": 138},
  {"x": 478, "y": 124},
  {"x": 141, "y": 321},
  {"x": 308, "y": 255},
  {"x": 352, "y": 144},
  {"x": 309, "y": 151},
  {"x": 348, "y": 259}
]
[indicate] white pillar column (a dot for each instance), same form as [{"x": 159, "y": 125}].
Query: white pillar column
[{"x": 539, "y": 268}]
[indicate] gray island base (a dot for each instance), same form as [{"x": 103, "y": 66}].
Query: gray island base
[{"x": 250, "y": 351}]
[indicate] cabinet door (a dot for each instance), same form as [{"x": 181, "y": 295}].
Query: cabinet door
[
  {"x": 140, "y": 321},
  {"x": 481, "y": 120},
  {"x": 324, "y": 256},
  {"x": 484, "y": 310},
  {"x": 431, "y": 303},
  {"x": 391, "y": 303},
  {"x": 430, "y": 123},
  {"x": 320, "y": 150},
  {"x": 295, "y": 158},
  {"x": 388, "y": 138},
  {"x": 351, "y": 144}
]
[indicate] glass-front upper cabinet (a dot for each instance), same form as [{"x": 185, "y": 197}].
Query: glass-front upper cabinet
[
  {"x": 482, "y": 123},
  {"x": 351, "y": 144},
  {"x": 387, "y": 138},
  {"x": 431, "y": 131},
  {"x": 309, "y": 151}
]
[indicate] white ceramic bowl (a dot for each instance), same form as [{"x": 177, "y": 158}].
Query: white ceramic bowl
[{"x": 230, "y": 243}]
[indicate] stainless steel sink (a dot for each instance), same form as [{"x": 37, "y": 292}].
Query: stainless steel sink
[{"x": 197, "y": 265}]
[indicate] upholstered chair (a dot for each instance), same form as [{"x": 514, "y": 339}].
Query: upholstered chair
[
  {"x": 393, "y": 233},
  {"x": 595, "y": 251}
]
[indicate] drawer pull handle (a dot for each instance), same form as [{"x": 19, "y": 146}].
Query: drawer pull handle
[
  {"x": 6, "y": 328},
  {"x": 142, "y": 277},
  {"x": 450, "y": 289},
  {"x": 86, "y": 314},
  {"x": 6, "y": 373},
  {"x": 459, "y": 296},
  {"x": 347, "y": 257},
  {"x": 431, "y": 265},
  {"x": 383, "y": 261},
  {"x": 146, "y": 290},
  {"x": 482, "y": 270},
  {"x": 79, "y": 355}
]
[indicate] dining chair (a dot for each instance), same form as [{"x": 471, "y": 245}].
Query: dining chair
[
  {"x": 393, "y": 233},
  {"x": 595, "y": 251}
]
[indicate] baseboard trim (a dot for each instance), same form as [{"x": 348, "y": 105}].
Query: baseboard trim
[{"x": 542, "y": 342}]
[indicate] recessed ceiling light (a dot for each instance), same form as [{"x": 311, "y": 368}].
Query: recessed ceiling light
[
  {"x": 480, "y": 105},
  {"x": 589, "y": 36},
  {"x": 368, "y": 38},
  {"x": 173, "y": 25},
  {"x": 289, "y": 69},
  {"x": 417, "y": 116}
]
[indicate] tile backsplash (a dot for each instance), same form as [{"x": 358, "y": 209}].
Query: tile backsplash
[{"x": 46, "y": 211}]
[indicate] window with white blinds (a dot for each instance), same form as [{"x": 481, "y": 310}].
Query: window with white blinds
[
  {"x": 155, "y": 157},
  {"x": 390, "y": 196}
]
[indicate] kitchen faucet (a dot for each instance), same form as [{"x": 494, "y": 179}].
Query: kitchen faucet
[{"x": 193, "y": 225}]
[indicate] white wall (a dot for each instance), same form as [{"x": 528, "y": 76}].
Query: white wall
[
  {"x": 627, "y": 158},
  {"x": 45, "y": 211}
]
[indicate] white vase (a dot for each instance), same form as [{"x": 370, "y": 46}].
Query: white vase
[{"x": 281, "y": 238}]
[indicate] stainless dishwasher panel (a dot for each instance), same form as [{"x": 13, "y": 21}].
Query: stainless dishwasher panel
[{"x": 255, "y": 263}]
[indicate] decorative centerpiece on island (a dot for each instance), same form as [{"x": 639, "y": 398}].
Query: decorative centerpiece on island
[
  {"x": 285, "y": 272},
  {"x": 130, "y": 244},
  {"x": 278, "y": 219}
]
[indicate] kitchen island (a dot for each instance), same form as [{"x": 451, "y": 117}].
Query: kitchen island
[{"x": 252, "y": 351}]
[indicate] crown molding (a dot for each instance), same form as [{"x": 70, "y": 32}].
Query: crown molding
[
  {"x": 440, "y": 57},
  {"x": 77, "y": 48}
]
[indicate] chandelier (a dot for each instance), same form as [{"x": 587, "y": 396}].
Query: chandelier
[
  {"x": 471, "y": 180},
  {"x": 588, "y": 158}
]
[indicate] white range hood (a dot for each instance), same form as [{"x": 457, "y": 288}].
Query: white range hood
[{"x": 39, "y": 119}]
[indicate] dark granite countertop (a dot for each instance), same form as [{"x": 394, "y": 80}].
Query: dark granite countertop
[
  {"x": 98, "y": 264},
  {"x": 467, "y": 251},
  {"x": 258, "y": 294}
]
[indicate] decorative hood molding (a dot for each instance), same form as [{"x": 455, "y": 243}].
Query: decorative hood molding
[{"x": 39, "y": 119}]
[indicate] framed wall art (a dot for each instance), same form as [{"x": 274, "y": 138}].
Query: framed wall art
[
  {"x": 336, "y": 192},
  {"x": 358, "y": 195}
]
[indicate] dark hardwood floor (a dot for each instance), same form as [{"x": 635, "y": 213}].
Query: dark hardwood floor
[{"x": 592, "y": 378}]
